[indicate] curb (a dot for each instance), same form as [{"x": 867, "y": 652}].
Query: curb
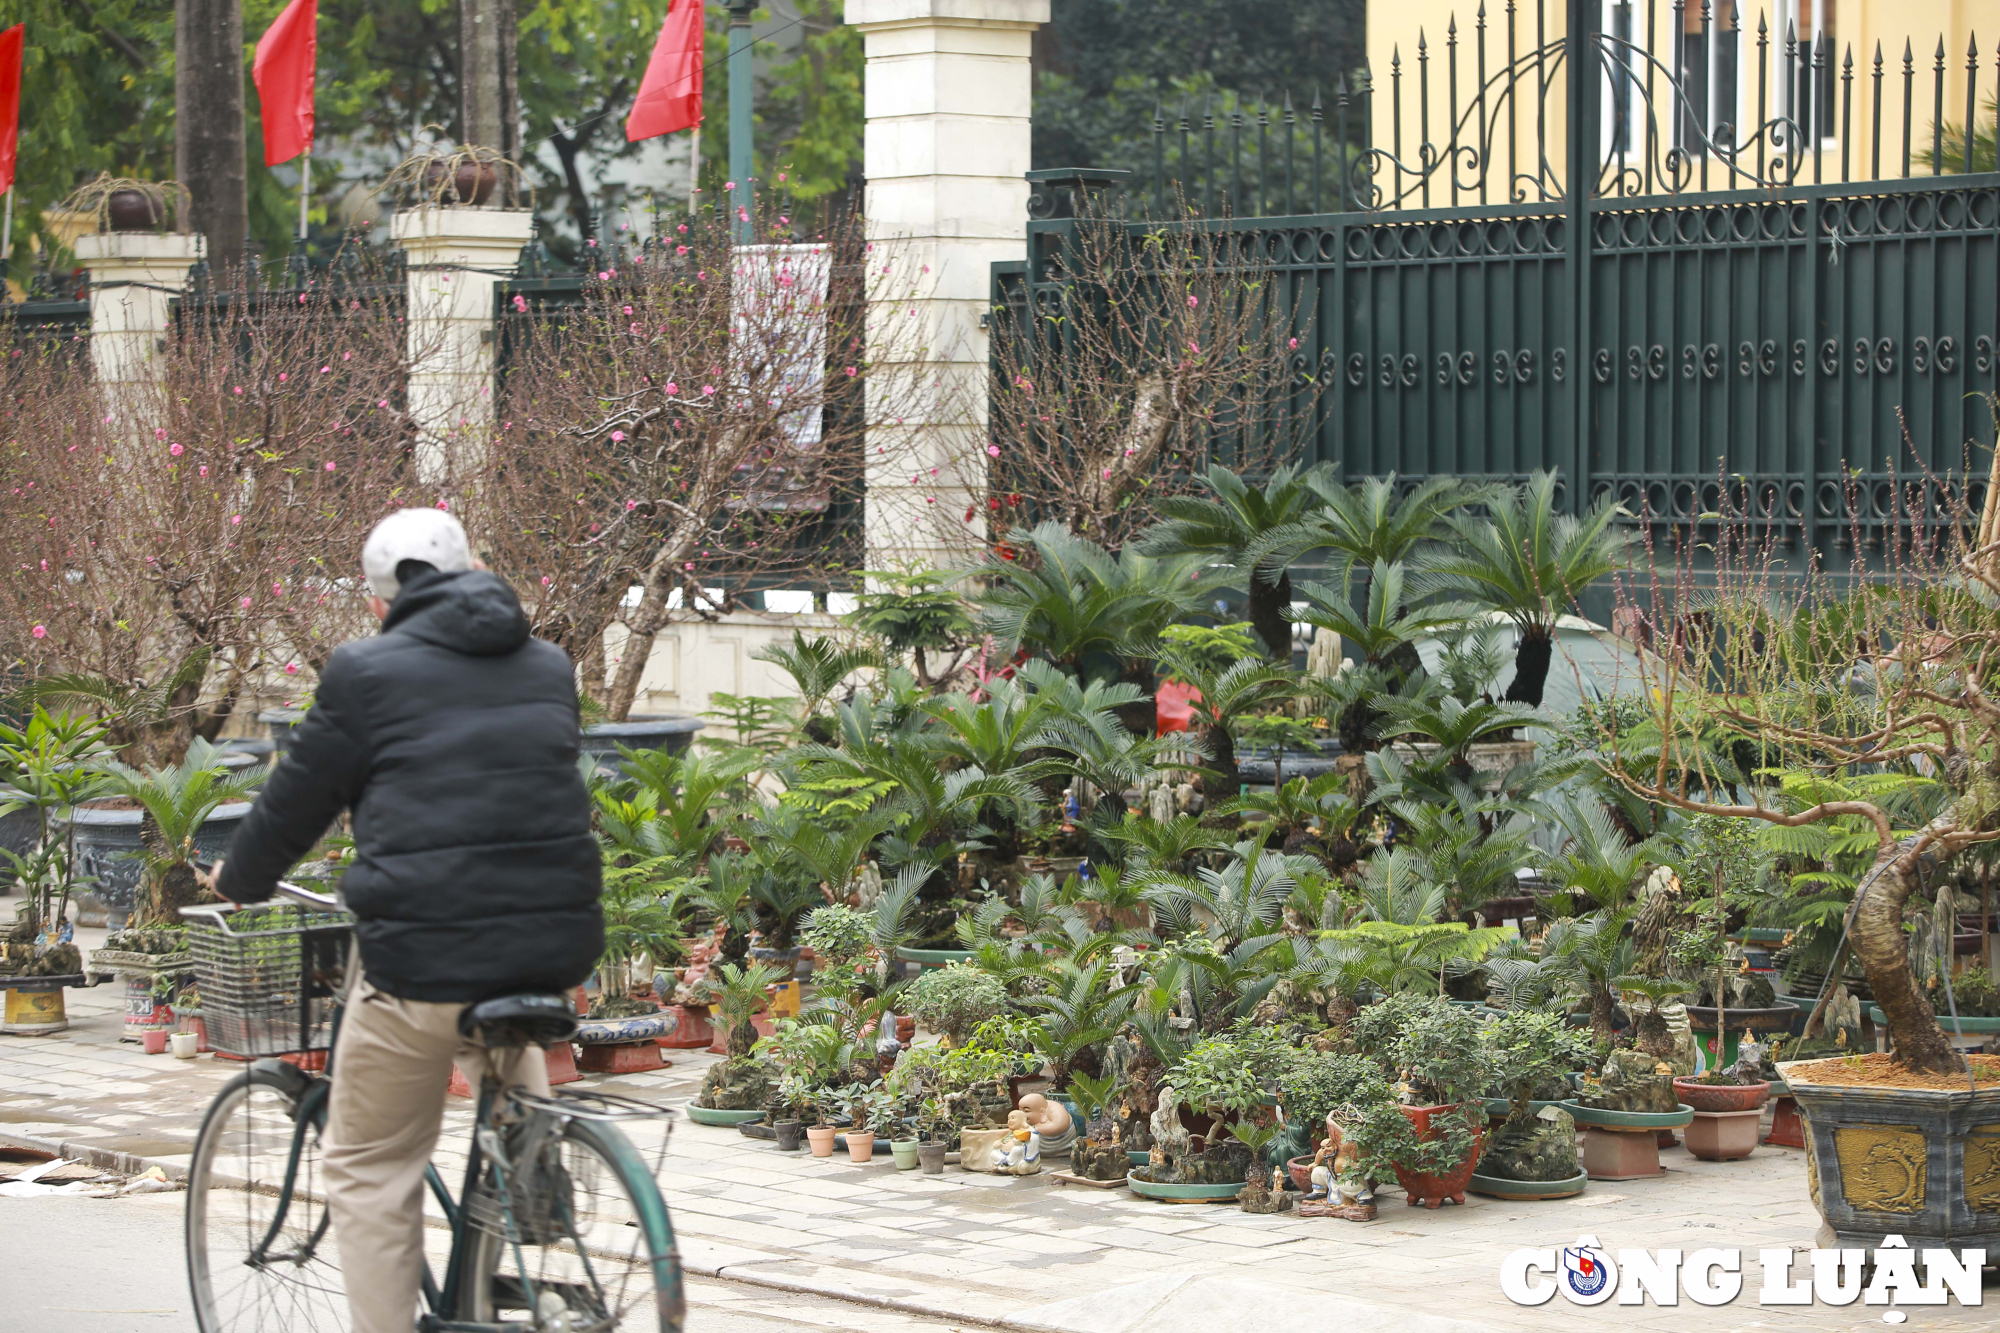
[{"x": 124, "y": 1163}]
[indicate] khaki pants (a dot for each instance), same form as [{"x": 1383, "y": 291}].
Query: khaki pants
[{"x": 390, "y": 1069}]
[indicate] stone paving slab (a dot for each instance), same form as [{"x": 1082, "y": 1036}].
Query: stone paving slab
[{"x": 1021, "y": 1253}]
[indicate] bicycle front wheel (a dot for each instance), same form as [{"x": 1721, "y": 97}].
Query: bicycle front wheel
[
  {"x": 584, "y": 1242},
  {"x": 259, "y": 1248}
]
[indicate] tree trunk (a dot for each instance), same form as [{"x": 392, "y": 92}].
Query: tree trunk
[
  {"x": 1268, "y": 602},
  {"x": 1230, "y": 781},
  {"x": 1603, "y": 1021},
  {"x": 1879, "y": 941},
  {"x": 209, "y": 151},
  {"x": 661, "y": 578},
  {"x": 1531, "y": 667},
  {"x": 487, "y": 112}
]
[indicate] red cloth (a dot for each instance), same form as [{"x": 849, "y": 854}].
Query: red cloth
[
  {"x": 10, "y": 101},
  {"x": 1173, "y": 706},
  {"x": 670, "y": 95},
  {"x": 283, "y": 73}
]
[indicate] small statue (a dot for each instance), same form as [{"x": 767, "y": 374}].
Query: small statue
[
  {"x": 1339, "y": 1190},
  {"x": 1019, "y": 1153},
  {"x": 1051, "y": 1122},
  {"x": 1188, "y": 799},
  {"x": 887, "y": 1047},
  {"x": 1260, "y": 1195},
  {"x": 1160, "y": 805}
]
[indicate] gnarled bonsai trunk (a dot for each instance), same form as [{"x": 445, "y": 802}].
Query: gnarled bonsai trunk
[
  {"x": 1268, "y": 604},
  {"x": 1879, "y": 941}
]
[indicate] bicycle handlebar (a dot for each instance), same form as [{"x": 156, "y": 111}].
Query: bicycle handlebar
[{"x": 320, "y": 902}]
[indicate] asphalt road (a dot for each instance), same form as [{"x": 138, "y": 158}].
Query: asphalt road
[{"x": 115, "y": 1266}]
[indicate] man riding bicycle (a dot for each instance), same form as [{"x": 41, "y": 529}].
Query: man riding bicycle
[{"x": 453, "y": 737}]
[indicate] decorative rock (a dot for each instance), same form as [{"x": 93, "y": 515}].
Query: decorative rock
[
  {"x": 1542, "y": 1148},
  {"x": 737, "y": 1085},
  {"x": 1632, "y": 1081},
  {"x": 1262, "y": 1195},
  {"x": 1099, "y": 1161}
]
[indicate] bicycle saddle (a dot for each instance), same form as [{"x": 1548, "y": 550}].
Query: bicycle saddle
[{"x": 519, "y": 1020}]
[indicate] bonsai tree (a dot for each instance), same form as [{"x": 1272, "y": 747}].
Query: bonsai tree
[
  {"x": 955, "y": 1000},
  {"x": 1528, "y": 1052},
  {"x": 1835, "y": 673},
  {"x": 177, "y": 800},
  {"x": 1427, "y": 1046}
]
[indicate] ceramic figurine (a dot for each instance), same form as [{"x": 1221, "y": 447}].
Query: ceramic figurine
[
  {"x": 1019, "y": 1153},
  {"x": 1051, "y": 1122},
  {"x": 1160, "y": 804}
]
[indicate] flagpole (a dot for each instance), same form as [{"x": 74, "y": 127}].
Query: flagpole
[
  {"x": 694, "y": 168},
  {"x": 305, "y": 189},
  {"x": 7, "y": 243}
]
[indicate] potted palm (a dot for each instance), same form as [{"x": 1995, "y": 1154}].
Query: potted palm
[
  {"x": 735, "y": 1091},
  {"x": 184, "y": 812},
  {"x": 46, "y": 766}
]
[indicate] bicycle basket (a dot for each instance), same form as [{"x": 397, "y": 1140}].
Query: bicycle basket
[{"x": 269, "y": 977}]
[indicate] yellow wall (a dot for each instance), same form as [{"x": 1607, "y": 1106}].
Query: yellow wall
[{"x": 1394, "y": 27}]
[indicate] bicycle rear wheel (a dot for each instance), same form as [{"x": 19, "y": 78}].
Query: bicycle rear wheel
[
  {"x": 261, "y": 1257},
  {"x": 586, "y": 1243}
]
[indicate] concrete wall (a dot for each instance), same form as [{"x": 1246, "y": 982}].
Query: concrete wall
[{"x": 694, "y": 660}]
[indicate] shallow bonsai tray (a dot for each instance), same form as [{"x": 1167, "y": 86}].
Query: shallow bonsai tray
[
  {"x": 1596, "y": 1118},
  {"x": 935, "y": 957},
  {"x": 1071, "y": 1178},
  {"x": 37, "y": 985},
  {"x": 708, "y": 1115},
  {"x": 1498, "y": 1187},
  {"x": 1969, "y": 1026},
  {"x": 1146, "y": 1189},
  {"x": 757, "y": 1129}
]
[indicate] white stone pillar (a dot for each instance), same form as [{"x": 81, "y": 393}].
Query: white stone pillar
[
  {"x": 947, "y": 99},
  {"x": 134, "y": 277},
  {"x": 456, "y": 257}
]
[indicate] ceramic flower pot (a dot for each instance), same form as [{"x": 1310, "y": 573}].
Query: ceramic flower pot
[
  {"x": 821, "y": 1139},
  {"x": 1915, "y": 1162},
  {"x": 860, "y": 1144},
  {"x": 1433, "y": 1190},
  {"x": 1720, "y": 1096},
  {"x": 1301, "y": 1171},
  {"x": 930, "y": 1156},
  {"x": 789, "y": 1134},
  {"x": 905, "y": 1153}
]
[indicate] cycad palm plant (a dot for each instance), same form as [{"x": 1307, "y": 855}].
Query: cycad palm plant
[
  {"x": 1230, "y": 525},
  {"x": 1373, "y": 521},
  {"x": 818, "y": 666},
  {"x": 1591, "y": 953},
  {"x": 738, "y": 992},
  {"x": 1080, "y": 1009},
  {"x": 177, "y": 800},
  {"x": 1532, "y": 563},
  {"x": 1076, "y": 604},
  {"x": 1227, "y": 695}
]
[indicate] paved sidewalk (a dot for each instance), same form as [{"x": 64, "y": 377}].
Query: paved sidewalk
[{"x": 1025, "y": 1253}]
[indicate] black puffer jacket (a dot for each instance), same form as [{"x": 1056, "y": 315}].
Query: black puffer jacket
[{"x": 454, "y": 737}]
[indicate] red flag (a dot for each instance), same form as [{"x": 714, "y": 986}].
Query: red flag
[
  {"x": 283, "y": 72},
  {"x": 670, "y": 94},
  {"x": 10, "y": 101}
]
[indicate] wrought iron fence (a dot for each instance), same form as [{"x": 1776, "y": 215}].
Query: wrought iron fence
[
  {"x": 1482, "y": 120},
  {"x": 1718, "y": 322}
]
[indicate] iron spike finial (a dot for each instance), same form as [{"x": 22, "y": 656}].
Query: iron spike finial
[
  {"x": 1316, "y": 102},
  {"x": 1940, "y": 51},
  {"x": 1972, "y": 49},
  {"x": 1451, "y": 27},
  {"x": 1909, "y": 56},
  {"x": 1848, "y": 63},
  {"x": 1763, "y": 28},
  {"x": 1420, "y": 44}
]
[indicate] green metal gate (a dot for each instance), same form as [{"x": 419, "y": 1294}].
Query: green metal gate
[{"x": 1797, "y": 348}]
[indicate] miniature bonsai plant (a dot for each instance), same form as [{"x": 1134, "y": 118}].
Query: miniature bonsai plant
[
  {"x": 955, "y": 1000},
  {"x": 740, "y": 1082},
  {"x": 1430, "y": 1136},
  {"x": 1530, "y": 1054},
  {"x": 46, "y": 765}
]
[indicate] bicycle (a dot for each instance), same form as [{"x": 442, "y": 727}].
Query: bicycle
[{"x": 558, "y": 1227}]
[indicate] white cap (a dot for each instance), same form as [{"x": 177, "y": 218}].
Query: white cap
[{"x": 429, "y": 535}]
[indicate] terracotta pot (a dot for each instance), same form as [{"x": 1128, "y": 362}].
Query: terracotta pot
[
  {"x": 930, "y": 1156},
  {"x": 472, "y": 183},
  {"x": 132, "y": 210},
  {"x": 860, "y": 1144},
  {"x": 1720, "y": 1097},
  {"x": 1433, "y": 1190},
  {"x": 821, "y": 1139},
  {"x": 1723, "y": 1136},
  {"x": 789, "y": 1133},
  {"x": 1301, "y": 1171}
]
